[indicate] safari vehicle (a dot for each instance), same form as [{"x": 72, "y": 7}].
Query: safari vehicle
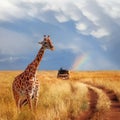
[{"x": 63, "y": 73}]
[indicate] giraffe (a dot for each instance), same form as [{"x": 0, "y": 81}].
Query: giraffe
[{"x": 26, "y": 86}]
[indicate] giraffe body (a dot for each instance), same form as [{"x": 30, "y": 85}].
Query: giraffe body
[{"x": 26, "y": 86}]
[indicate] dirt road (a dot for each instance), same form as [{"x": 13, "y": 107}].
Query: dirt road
[{"x": 114, "y": 111}]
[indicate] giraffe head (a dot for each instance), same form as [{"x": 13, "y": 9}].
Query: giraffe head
[{"x": 46, "y": 43}]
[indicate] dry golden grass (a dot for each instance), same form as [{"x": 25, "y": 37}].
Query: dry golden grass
[
  {"x": 58, "y": 100},
  {"x": 108, "y": 79}
]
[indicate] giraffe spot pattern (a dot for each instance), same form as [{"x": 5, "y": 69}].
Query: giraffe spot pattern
[{"x": 26, "y": 83}]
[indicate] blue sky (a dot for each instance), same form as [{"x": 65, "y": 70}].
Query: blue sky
[{"x": 77, "y": 28}]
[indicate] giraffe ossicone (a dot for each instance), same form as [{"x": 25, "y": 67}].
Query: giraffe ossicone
[{"x": 26, "y": 86}]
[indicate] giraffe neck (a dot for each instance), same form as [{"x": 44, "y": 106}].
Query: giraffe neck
[
  {"x": 33, "y": 66},
  {"x": 39, "y": 56}
]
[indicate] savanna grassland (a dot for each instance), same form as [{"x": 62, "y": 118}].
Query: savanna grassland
[
  {"x": 108, "y": 79},
  {"x": 59, "y": 99}
]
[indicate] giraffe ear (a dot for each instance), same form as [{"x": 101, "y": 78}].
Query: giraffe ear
[{"x": 44, "y": 37}]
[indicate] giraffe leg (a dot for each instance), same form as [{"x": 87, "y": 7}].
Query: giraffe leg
[
  {"x": 36, "y": 94},
  {"x": 17, "y": 100},
  {"x": 35, "y": 100},
  {"x": 23, "y": 102},
  {"x": 29, "y": 100}
]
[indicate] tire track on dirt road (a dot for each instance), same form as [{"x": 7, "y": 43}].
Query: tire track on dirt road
[
  {"x": 114, "y": 112},
  {"x": 93, "y": 96}
]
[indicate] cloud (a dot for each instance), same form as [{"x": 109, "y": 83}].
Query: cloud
[
  {"x": 80, "y": 26},
  {"x": 11, "y": 59},
  {"x": 78, "y": 11},
  {"x": 72, "y": 47},
  {"x": 100, "y": 33},
  {"x": 14, "y": 43},
  {"x": 111, "y": 7},
  {"x": 9, "y": 11}
]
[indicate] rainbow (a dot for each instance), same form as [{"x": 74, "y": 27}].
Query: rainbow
[{"x": 80, "y": 61}]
